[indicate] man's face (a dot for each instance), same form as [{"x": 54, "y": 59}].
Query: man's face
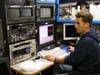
[{"x": 80, "y": 26}]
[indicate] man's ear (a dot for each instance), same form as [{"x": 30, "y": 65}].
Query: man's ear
[{"x": 87, "y": 25}]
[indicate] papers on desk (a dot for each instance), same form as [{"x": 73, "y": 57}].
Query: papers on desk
[{"x": 30, "y": 65}]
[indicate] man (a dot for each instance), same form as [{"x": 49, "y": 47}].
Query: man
[{"x": 86, "y": 53}]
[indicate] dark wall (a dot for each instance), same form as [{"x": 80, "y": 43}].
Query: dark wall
[{"x": 67, "y": 1}]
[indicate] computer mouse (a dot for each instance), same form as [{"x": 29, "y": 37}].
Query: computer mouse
[{"x": 65, "y": 48}]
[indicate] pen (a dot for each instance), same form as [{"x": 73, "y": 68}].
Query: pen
[{"x": 34, "y": 60}]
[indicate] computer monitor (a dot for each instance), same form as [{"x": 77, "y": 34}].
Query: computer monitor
[
  {"x": 69, "y": 31},
  {"x": 46, "y": 34}
]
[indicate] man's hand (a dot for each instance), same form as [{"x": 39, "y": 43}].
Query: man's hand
[
  {"x": 50, "y": 58},
  {"x": 71, "y": 48}
]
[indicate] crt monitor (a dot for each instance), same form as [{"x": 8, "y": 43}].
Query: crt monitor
[
  {"x": 69, "y": 32},
  {"x": 46, "y": 12},
  {"x": 13, "y": 13},
  {"x": 46, "y": 34},
  {"x": 16, "y": 2},
  {"x": 27, "y": 11}
]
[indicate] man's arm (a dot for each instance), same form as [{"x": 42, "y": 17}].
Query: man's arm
[{"x": 54, "y": 59}]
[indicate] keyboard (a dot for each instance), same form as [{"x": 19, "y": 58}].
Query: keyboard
[{"x": 57, "y": 52}]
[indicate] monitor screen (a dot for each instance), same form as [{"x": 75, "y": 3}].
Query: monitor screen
[
  {"x": 46, "y": 34},
  {"x": 66, "y": 11},
  {"x": 16, "y": 2},
  {"x": 26, "y": 12},
  {"x": 46, "y": 12},
  {"x": 69, "y": 32},
  {"x": 13, "y": 13},
  {"x": 45, "y": 1}
]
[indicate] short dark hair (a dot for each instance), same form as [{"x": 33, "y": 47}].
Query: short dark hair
[{"x": 86, "y": 16}]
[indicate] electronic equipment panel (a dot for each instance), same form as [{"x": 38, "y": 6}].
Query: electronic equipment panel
[
  {"x": 69, "y": 32},
  {"x": 46, "y": 1},
  {"x": 20, "y": 32},
  {"x": 17, "y": 14},
  {"x": 22, "y": 51},
  {"x": 45, "y": 12},
  {"x": 46, "y": 34}
]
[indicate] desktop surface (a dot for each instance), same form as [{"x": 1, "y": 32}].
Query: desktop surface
[
  {"x": 35, "y": 66},
  {"x": 24, "y": 67}
]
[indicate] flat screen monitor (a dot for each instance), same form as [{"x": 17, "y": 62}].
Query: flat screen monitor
[
  {"x": 69, "y": 32},
  {"x": 46, "y": 34},
  {"x": 46, "y": 1}
]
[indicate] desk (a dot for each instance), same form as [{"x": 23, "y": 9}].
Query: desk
[{"x": 46, "y": 64}]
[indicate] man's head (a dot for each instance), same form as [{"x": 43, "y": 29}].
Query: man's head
[{"x": 83, "y": 22}]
